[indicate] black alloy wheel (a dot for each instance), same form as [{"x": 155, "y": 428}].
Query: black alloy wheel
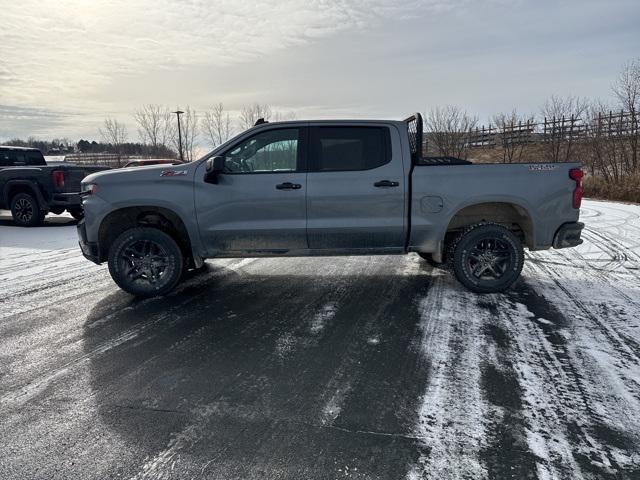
[
  {"x": 487, "y": 258},
  {"x": 25, "y": 210},
  {"x": 145, "y": 262}
]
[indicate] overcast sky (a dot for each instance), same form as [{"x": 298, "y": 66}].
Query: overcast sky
[{"x": 66, "y": 65}]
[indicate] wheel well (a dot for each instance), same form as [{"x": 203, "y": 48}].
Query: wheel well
[
  {"x": 510, "y": 215},
  {"x": 157, "y": 217},
  {"x": 14, "y": 190}
]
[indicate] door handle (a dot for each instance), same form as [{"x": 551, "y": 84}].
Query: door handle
[
  {"x": 288, "y": 186},
  {"x": 386, "y": 183}
]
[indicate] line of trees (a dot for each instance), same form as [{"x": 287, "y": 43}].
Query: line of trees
[
  {"x": 64, "y": 146},
  {"x": 157, "y": 127}
]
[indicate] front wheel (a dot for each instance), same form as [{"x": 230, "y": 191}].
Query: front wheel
[
  {"x": 145, "y": 262},
  {"x": 487, "y": 258}
]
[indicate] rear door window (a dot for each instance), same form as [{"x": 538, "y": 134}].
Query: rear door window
[
  {"x": 349, "y": 148},
  {"x": 17, "y": 158}
]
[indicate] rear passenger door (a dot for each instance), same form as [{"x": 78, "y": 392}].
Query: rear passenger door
[{"x": 355, "y": 188}]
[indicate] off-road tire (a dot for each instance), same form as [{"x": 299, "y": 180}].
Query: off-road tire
[
  {"x": 486, "y": 241},
  {"x": 26, "y": 211},
  {"x": 145, "y": 250}
]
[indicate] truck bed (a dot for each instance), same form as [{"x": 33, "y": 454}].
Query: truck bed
[{"x": 543, "y": 192}]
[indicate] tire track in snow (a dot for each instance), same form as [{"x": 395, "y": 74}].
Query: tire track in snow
[
  {"x": 556, "y": 405},
  {"x": 573, "y": 418},
  {"x": 627, "y": 349},
  {"x": 452, "y": 416}
]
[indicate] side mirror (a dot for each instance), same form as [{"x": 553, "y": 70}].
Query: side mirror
[{"x": 214, "y": 167}]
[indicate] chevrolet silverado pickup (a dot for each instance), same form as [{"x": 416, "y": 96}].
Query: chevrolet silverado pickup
[
  {"x": 30, "y": 188},
  {"x": 306, "y": 188}
]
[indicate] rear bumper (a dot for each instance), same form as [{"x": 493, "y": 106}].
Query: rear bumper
[
  {"x": 65, "y": 200},
  {"x": 568, "y": 235},
  {"x": 90, "y": 250}
]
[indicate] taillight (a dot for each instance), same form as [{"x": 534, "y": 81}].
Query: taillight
[
  {"x": 576, "y": 175},
  {"x": 58, "y": 178}
]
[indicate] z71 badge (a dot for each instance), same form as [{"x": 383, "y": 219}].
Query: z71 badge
[{"x": 172, "y": 173}]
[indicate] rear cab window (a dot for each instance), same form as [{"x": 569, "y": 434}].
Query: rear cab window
[
  {"x": 34, "y": 157},
  {"x": 348, "y": 148}
]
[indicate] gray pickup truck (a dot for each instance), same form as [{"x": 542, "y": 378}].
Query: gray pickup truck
[{"x": 328, "y": 188}]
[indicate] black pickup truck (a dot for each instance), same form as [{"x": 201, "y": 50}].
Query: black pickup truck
[{"x": 30, "y": 188}]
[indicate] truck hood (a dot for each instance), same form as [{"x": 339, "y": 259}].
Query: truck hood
[{"x": 144, "y": 173}]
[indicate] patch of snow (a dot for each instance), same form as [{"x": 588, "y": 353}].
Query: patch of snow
[{"x": 326, "y": 313}]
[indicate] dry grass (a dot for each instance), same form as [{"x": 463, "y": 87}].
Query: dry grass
[{"x": 627, "y": 190}]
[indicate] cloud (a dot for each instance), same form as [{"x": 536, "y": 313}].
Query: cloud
[
  {"x": 77, "y": 46},
  {"x": 27, "y": 121},
  {"x": 318, "y": 57}
]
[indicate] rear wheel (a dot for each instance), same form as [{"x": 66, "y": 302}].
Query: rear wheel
[
  {"x": 26, "y": 211},
  {"x": 77, "y": 213},
  {"x": 145, "y": 262},
  {"x": 487, "y": 258}
]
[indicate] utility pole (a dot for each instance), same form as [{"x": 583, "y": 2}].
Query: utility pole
[{"x": 178, "y": 113}]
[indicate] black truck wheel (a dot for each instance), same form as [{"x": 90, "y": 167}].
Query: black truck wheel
[
  {"x": 487, "y": 258},
  {"x": 145, "y": 262},
  {"x": 77, "y": 213},
  {"x": 26, "y": 211}
]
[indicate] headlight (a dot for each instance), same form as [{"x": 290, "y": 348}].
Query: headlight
[{"x": 88, "y": 189}]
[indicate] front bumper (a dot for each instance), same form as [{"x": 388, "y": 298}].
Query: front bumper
[
  {"x": 568, "y": 235},
  {"x": 90, "y": 250}
]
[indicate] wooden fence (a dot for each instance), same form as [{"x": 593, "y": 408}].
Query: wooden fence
[{"x": 612, "y": 124}]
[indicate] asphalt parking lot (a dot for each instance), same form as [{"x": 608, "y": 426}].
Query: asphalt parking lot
[{"x": 304, "y": 368}]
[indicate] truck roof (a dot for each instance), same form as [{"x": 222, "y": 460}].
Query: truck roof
[
  {"x": 25, "y": 149},
  {"x": 328, "y": 120}
]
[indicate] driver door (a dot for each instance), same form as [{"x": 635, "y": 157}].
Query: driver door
[{"x": 258, "y": 205}]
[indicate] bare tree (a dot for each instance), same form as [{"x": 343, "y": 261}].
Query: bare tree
[
  {"x": 114, "y": 133},
  {"x": 627, "y": 90},
  {"x": 448, "y": 128},
  {"x": 600, "y": 156},
  {"x": 514, "y": 132},
  {"x": 216, "y": 124},
  {"x": 188, "y": 134},
  {"x": 563, "y": 117},
  {"x": 279, "y": 116},
  {"x": 154, "y": 125},
  {"x": 249, "y": 114}
]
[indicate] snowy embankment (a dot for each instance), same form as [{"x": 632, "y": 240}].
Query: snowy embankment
[{"x": 540, "y": 382}]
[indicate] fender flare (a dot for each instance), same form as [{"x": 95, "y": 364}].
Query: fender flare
[
  {"x": 516, "y": 202},
  {"x": 33, "y": 186}
]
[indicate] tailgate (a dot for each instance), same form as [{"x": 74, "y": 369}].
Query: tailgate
[{"x": 73, "y": 177}]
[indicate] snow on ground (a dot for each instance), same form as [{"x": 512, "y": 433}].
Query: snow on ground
[
  {"x": 567, "y": 339},
  {"x": 540, "y": 382}
]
